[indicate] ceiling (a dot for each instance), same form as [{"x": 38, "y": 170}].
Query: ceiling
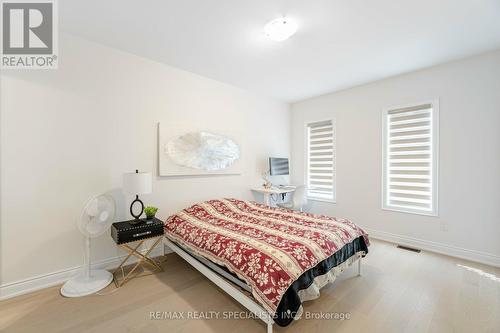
[{"x": 339, "y": 44}]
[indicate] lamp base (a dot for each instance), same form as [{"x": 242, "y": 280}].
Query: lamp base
[{"x": 132, "y": 208}]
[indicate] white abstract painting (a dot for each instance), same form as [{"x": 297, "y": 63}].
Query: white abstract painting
[{"x": 196, "y": 152}]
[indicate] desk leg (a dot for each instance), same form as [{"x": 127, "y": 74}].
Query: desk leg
[{"x": 267, "y": 199}]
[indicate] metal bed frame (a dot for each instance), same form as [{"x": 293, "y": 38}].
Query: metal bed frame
[{"x": 219, "y": 276}]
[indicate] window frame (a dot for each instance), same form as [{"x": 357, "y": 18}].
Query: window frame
[
  {"x": 434, "y": 159},
  {"x": 334, "y": 155}
]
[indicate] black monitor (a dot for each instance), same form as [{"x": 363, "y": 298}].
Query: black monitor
[{"x": 278, "y": 166}]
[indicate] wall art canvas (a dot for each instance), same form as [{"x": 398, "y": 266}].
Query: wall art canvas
[{"x": 185, "y": 151}]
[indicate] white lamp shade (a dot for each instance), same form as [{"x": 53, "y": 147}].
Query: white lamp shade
[{"x": 138, "y": 183}]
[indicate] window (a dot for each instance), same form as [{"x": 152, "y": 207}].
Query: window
[
  {"x": 320, "y": 161},
  {"x": 410, "y": 144}
]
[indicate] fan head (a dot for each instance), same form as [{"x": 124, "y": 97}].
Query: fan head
[{"x": 97, "y": 215}]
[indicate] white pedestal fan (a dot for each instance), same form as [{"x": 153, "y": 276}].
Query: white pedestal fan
[{"x": 96, "y": 218}]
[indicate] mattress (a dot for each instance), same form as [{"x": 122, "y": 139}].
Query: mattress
[{"x": 284, "y": 256}]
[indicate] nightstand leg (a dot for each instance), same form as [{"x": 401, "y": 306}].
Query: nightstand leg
[
  {"x": 130, "y": 253},
  {"x": 143, "y": 258},
  {"x": 148, "y": 259},
  {"x": 150, "y": 249},
  {"x": 126, "y": 278},
  {"x": 120, "y": 267}
]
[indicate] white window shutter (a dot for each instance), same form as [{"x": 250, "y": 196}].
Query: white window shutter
[
  {"x": 320, "y": 160},
  {"x": 410, "y": 159}
]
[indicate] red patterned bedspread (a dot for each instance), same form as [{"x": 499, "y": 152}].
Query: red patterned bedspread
[{"x": 269, "y": 248}]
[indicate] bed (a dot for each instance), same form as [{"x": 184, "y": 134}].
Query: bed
[{"x": 280, "y": 257}]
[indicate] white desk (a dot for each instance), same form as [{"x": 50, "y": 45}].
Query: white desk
[{"x": 266, "y": 192}]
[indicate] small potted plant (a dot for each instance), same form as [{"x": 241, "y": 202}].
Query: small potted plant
[{"x": 150, "y": 212}]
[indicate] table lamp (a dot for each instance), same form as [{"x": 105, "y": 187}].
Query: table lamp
[{"x": 137, "y": 183}]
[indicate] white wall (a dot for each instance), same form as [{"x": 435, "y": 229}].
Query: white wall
[
  {"x": 469, "y": 178},
  {"x": 71, "y": 133}
]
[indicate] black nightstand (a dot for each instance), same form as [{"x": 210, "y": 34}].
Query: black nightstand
[{"x": 125, "y": 233}]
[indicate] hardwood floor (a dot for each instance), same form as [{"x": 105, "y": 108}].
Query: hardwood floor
[{"x": 399, "y": 291}]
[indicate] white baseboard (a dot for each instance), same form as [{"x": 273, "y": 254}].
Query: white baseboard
[
  {"x": 450, "y": 250},
  {"x": 25, "y": 286},
  {"x": 29, "y": 285}
]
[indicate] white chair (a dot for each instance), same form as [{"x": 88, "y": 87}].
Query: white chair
[{"x": 299, "y": 199}]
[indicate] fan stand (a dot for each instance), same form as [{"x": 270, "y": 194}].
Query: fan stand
[{"x": 91, "y": 281}]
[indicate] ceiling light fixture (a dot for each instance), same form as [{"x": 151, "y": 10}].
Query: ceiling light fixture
[{"x": 280, "y": 29}]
